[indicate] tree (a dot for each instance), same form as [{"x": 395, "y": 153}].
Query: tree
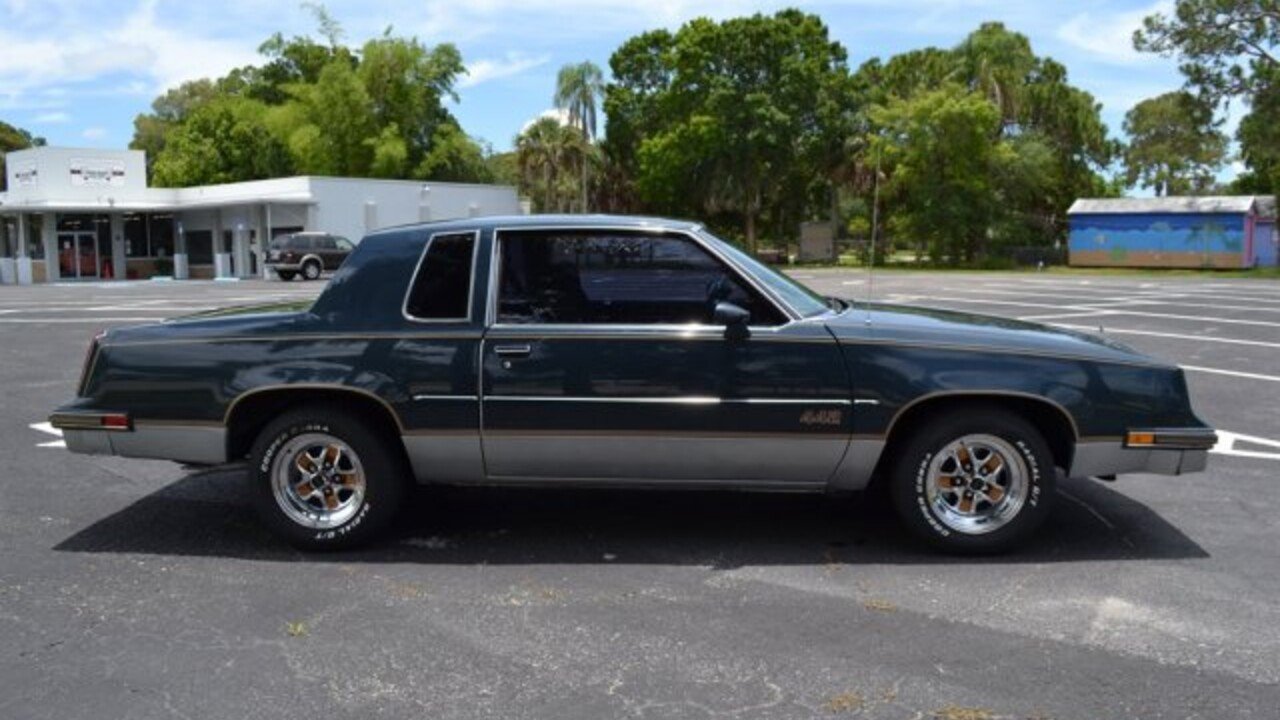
[
  {"x": 722, "y": 117},
  {"x": 14, "y": 138},
  {"x": 546, "y": 153},
  {"x": 224, "y": 140},
  {"x": 1225, "y": 46},
  {"x": 578, "y": 87},
  {"x": 1175, "y": 146},
  {"x": 939, "y": 145},
  {"x": 455, "y": 157}
]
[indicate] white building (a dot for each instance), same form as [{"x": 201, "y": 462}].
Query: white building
[{"x": 74, "y": 213}]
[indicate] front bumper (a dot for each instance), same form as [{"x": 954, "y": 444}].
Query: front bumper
[{"x": 1171, "y": 451}]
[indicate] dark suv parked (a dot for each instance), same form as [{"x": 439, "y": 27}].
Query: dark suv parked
[{"x": 307, "y": 254}]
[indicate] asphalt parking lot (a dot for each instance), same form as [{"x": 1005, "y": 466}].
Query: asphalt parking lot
[{"x": 139, "y": 589}]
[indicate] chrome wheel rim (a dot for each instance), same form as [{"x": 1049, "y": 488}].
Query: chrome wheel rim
[
  {"x": 311, "y": 271},
  {"x": 318, "y": 481},
  {"x": 976, "y": 484}
]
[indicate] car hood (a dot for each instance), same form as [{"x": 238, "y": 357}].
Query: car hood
[{"x": 882, "y": 323}]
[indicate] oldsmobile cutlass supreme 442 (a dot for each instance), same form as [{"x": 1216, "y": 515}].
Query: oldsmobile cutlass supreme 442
[{"x": 624, "y": 352}]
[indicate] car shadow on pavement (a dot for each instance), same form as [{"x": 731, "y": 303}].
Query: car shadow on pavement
[{"x": 207, "y": 513}]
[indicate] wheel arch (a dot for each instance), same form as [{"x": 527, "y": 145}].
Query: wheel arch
[
  {"x": 1051, "y": 419},
  {"x": 250, "y": 411}
]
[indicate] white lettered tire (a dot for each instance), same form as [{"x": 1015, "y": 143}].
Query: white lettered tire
[
  {"x": 974, "y": 482},
  {"x": 325, "y": 480}
]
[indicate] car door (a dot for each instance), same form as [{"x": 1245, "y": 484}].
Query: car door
[{"x": 601, "y": 364}]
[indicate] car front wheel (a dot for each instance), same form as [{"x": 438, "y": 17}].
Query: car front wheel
[
  {"x": 326, "y": 481},
  {"x": 973, "y": 483}
]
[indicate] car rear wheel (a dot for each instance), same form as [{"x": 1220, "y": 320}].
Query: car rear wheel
[
  {"x": 326, "y": 481},
  {"x": 311, "y": 270},
  {"x": 973, "y": 483},
  {"x": 286, "y": 274}
]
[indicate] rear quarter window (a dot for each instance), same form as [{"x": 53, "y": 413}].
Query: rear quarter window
[{"x": 441, "y": 287}]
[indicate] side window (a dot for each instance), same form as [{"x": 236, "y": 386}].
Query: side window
[
  {"x": 619, "y": 278},
  {"x": 300, "y": 242},
  {"x": 324, "y": 242},
  {"x": 442, "y": 286},
  {"x": 344, "y": 244}
]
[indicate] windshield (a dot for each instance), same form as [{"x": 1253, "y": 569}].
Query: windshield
[{"x": 800, "y": 298}]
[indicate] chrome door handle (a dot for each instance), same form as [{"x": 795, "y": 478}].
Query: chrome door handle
[{"x": 510, "y": 351}]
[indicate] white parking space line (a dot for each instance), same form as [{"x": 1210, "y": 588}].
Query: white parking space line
[
  {"x": 46, "y": 321},
  {"x": 1064, "y": 316},
  {"x": 1194, "y": 318},
  {"x": 1231, "y": 373},
  {"x": 1227, "y": 446},
  {"x": 48, "y": 429},
  {"x": 1172, "y": 336}
]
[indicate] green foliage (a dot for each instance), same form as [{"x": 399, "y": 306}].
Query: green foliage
[
  {"x": 1227, "y": 49},
  {"x": 1175, "y": 147},
  {"x": 317, "y": 108},
  {"x": 224, "y": 140},
  {"x": 721, "y": 118},
  {"x": 939, "y": 143},
  {"x": 455, "y": 157},
  {"x": 1221, "y": 44},
  {"x": 961, "y": 183},
  {"x": 547, "y": 153}
]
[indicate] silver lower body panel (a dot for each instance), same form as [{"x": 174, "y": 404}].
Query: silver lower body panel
[
  {"x": 1112, "y": 458},
  {"x": 447, "y": 459},
  {"x": 195, "y": 444},
  {"x": 661, "y": 459}
]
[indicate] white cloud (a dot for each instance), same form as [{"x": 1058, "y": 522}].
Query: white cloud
[
  {"x": 76, "y": 49},
  {"x": 487, "y": 69},
  {"x": 52, "y": 118},
  {"x": 94, "y": 133},
  {"x": 556, "y": 113},
  {"x": 1108, "y": 36}
]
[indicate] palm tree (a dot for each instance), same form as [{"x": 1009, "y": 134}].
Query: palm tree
[
  {"x": 545, "y": 152},
  {"x": 578, "y": 87}
]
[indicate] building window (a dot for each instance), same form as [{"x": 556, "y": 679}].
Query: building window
[
  {"x": 161, "y": 233},
  {"x": 442, "y": 286},
  {"x": 200, "y": 247},
  {"x": 135, "y": 235}
]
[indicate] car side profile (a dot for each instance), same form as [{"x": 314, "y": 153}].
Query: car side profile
[
  {"x": 620, "y": 351},
  {"x": 307, "y": 254}
]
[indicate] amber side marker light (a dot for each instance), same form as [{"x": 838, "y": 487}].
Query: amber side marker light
[{"x": 1140, "y": 439}]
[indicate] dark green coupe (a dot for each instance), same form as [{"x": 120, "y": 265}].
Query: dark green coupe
[{"x": 624, "y": 352}]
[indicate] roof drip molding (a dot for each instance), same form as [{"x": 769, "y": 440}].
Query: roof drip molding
[{"x": 1227, "y": 204}]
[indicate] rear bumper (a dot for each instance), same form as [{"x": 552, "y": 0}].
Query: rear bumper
[
  {"x": 198, "y": 444},
  {"x": 1174, "y": 451}
]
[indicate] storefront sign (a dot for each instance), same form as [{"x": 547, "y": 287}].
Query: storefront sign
[
  {"x": 26, "y": 175},
  {"x": 97, "y": 172}
]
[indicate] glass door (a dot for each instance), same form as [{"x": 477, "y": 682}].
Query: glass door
[{"x": 78, "y": 255}]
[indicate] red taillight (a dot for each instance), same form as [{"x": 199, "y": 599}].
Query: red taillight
[{"x": 116, "y": 421}]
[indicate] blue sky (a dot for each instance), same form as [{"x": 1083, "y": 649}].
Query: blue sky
[{"x": 77, "y": 72}]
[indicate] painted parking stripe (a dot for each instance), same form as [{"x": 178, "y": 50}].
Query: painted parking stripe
[
  {"x": 1227, "y": 446},
  {"x": 1173, "y": 336},
  {"x": 45, "y": 321},
  {"x": 1231, "y": 373},
  {"x": 48, "y": 429}
]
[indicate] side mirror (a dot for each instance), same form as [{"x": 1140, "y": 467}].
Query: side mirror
[{"x": 734, "y": 319}]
